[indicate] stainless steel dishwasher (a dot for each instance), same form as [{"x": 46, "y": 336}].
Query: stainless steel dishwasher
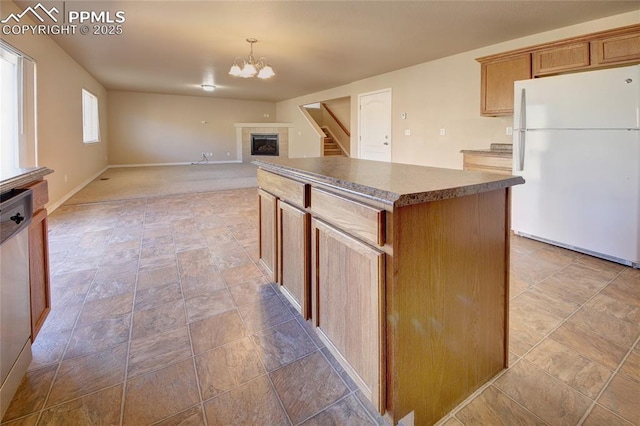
[{"x": 16, "y": 209}]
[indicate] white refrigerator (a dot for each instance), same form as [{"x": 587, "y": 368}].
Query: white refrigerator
[{"x": 576, "y": 142}]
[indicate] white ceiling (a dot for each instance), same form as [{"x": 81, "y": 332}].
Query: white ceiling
[{"x": 175, "y": 46}]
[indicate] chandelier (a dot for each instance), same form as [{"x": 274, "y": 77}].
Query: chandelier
[{"x": 249, "y": 67}]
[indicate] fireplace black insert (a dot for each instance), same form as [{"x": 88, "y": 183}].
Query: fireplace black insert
[{"x": 264, "y": 144}]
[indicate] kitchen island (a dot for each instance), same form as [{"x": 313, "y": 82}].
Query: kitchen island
[{"x": 403, "y": 271}]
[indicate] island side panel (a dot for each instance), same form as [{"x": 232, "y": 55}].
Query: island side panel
[{"x": 447, "y": 302}]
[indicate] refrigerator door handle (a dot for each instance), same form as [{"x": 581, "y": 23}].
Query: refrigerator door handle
[
  {"x": 519, "y": 145},
  {"x": 518, "y": 150}
]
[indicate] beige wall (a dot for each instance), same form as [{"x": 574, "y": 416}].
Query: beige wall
[
  {"x": 141, "y": 128},
  {"x": 442, "y": 94},
  {"x": 60, "y": 81},
  {"x": 316, "y": 114},
  {"x": 148, "y": 128}
]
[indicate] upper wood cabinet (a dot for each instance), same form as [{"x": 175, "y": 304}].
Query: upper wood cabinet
[
  {"x": 498, "y": 76},
  {"x": 620, "y": 46},
  {"x": 617, "y": 49},
  {"x": 561, "y": 58}
]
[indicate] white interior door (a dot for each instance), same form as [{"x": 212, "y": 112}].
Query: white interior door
[{"x": 374, "y": 125}]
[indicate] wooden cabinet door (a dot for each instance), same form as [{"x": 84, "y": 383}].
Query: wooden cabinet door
[
  {"x": 293, "y": 256},
  {"x": 557, "y": 59},
  {"x": 348, "y": 306},
  {"x": 39, "y": 271},
  {"x": 619, "y": 49},
  {"x": 267, "y": 231},
  {"x": 497, "y": 77}
]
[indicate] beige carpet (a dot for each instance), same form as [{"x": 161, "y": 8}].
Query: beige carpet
[{"x": 125, "y": 183}]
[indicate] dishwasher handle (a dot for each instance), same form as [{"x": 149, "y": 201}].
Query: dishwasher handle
[
  {"x": 17, "y": 218},
  {"x": 16, "y": 210}
]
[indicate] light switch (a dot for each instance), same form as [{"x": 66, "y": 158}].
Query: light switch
[
  {"x": 407, "y": 132},
  {"x": 509, "y": 131},
  {"x": 443, "y": 132},
  {"x": 403, "y": 115}
]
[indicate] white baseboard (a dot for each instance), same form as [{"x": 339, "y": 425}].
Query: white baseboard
[
  {"x": 195, "y": 163},
  {"x": 53, "y": 206}
]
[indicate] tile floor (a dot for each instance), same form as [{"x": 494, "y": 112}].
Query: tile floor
[{"x": 162, "y": 316}]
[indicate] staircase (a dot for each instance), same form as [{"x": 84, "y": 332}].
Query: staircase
[{"x": 330, "y": 147}]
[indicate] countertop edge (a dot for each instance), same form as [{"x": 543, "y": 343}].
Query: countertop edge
[
  {"x": 389, "y": 198},
  {"x": 488, "y": 152},
  {"x": 24, "y": 178},
  {"x": 381, "y": 196}
]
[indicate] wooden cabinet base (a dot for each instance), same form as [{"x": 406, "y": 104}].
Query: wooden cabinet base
[
  {"x": 39, "y": 271},
  {"x": 447, "y": 303},
  {"x": 487, "y": 163},
  {"x": 348, "y": 305},
  {"x": 293, "y": 256},
  {"x": 267, "y": 233}
]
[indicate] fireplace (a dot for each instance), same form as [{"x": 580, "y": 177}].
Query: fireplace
[{"x": 264, "y": 144}]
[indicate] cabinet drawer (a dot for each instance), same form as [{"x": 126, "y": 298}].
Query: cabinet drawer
[
  {"x": 487, "y": 161},
  {"x": 284, "y": 188},
  {"x": 357, "y": 219},
  {"x": 40, "y": 191}
]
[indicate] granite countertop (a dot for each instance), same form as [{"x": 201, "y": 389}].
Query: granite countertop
[
  {"x": 488, "y": 152},
  {"x": 16, "y": 178},
  {"x": 389, "y": 183},
  {"x": 497, "y": 150}
]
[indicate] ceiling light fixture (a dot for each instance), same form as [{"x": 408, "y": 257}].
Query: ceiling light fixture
[
  {"x": 250, "y": 67},
  {"x": 208, "y": 87}
]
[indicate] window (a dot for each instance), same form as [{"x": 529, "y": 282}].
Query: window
[
  {"x": 90, "y": 122},
  {"x": 10, "y": 78},
  {"x": 17, "y": 109}
]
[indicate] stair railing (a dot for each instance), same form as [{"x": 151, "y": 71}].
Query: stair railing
[{"x": 344, "y": 129}]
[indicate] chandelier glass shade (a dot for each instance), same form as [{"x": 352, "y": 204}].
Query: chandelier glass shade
[{"x": 251, "y": 67}]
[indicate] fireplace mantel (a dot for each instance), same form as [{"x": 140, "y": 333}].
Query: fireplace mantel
[{"x": 263, "y": 125}]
